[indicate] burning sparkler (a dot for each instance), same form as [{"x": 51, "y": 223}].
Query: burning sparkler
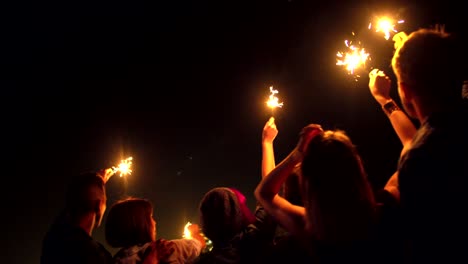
[
  {"x": 355, "y": 58},
  {"x": 124, "y": 167},
  {"x": 386, "y": 25},
  {"x": 273, "y": 100},
  {"x": 187, "y": 234}
]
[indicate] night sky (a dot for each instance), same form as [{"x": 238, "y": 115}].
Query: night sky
[{"x": 181, "y": 87}]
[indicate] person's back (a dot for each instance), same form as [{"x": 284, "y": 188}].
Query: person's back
[
  {"x": 69, "y": 238},
  {"x": 66, "y": 243},
  {"x": 433, "y": 173},
  {"x": 237, "y": 235},
  {"x": 434, "y": 188}
]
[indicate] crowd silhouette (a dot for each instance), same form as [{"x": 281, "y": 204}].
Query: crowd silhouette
[{"x": 316, "y": 205}]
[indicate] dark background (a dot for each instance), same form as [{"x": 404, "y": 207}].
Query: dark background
[{"x": 180, "y": 86}]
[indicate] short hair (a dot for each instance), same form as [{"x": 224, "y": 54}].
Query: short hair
[
  {"x": 129, "y": 223},
  {"x": 334, "y": 178},
  {"x": 430, "y": 61},
  {"x": 85, "y": 193}
]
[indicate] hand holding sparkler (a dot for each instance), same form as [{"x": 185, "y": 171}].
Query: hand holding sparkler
[
  {"x": 192, "y": 231},
  {"x": 306, "y": 135},
  {"x": 269, "y": 131},
  {"x": 399, "y": 39},
  {"x": 105, "y": 174},
  {"x": 379, "y": 85}
]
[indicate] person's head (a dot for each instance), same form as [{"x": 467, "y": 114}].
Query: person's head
[
  {"x": 337, "y": 196},
  {"x": 86, "y": 194},
  {"x": 223, "y": 214},
  {"x": 429, "y": 69},
  {"x": 130, "y": 222}
]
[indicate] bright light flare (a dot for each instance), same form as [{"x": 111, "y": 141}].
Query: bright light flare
[
  {"x": 353, "y": 59},
  {"x": 273, "y": 100},
  {"x": 124, "y": 167},
  {"x": 187, "y": 234},
  {"x": 386, "y": 25}
]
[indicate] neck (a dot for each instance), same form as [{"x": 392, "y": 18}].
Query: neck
[
  {"x": 87, "y": 223},
  {"x": 425, "y": 109}
]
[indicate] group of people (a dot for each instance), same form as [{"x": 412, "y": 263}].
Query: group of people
[{"x": 316, "y": 205}]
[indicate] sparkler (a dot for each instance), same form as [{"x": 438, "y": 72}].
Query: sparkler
[
  {"x": 353, "y": 59},
  {"x": 187, "y": 234},
  {"x": 124, "y": 167},
  {"x": 273, "y": 100},
  {"x": 386, "y": 25}
]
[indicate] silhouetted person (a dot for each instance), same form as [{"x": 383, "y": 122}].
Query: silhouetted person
[
  {"x": 433, "y": 172},
  {"x": 237, "y": 235},
  {"x": 130, "y": 226},
  {"x": 337, "y": 220},
  {"x": 69, "y": 239},
  {"x": 286, "y": 247}
]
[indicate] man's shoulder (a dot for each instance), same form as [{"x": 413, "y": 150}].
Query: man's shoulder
[{"x": 67, "y": 244}]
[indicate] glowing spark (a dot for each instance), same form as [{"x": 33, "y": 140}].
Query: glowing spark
[
  {"x": 386, "y": 26},
  {"x": 353, "y": 59},
  {"x": 273, "y": 100},
  {"x": 124, "y": 167},
  {"x": 187, "y": 234}
]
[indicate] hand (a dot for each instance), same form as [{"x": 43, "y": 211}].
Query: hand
[
  {"x": 105, "y": 174},
  {"x": 306, "y": 135},
  {"x": 269, "y": 131},
  {"x": 196, "y": 234},
  {"x": 379, "y": 85}
]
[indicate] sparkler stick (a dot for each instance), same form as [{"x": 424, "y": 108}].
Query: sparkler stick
[{"x": 273, "y": 100}]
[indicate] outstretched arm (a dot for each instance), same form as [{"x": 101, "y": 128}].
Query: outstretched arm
[
  {"x": 379, "y": 85},
  {"x": 290, "y": 216},
  {"x": 268, "y": 154}
]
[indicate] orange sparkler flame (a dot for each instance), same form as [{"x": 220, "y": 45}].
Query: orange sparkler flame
[
  {"x": 187, "y": 234},
  {"x": 273, "y": 100},
  {"x": 386, "y": 25},
  {"x": 124, "y": 167},
  {"x": 353, "y": 59}
]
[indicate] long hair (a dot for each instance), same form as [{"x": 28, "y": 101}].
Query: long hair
[
  {"x": 337, "y": 196},
  {"x": 129, "y": 223}
]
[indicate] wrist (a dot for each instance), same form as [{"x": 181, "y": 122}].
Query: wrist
[
  {"x": 382, "y": 100},
  {"x": 389, "y": 107}
]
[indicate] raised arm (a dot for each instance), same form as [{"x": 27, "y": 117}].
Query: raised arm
[
  {"x": 290, "y": 216},
  {"x": 268, "y": 154},
  {"x": 379, "y": 85}
]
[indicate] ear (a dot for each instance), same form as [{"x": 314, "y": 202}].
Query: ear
[
  {"x": 405, "y": 91},
  {"x": 97, "y": 207}
]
